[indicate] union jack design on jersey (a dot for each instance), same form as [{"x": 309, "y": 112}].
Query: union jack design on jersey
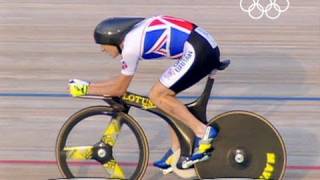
[{"x": 165, "y": 37}]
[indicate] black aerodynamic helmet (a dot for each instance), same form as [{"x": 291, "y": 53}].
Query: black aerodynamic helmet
[{"x": 112, "y": 31}]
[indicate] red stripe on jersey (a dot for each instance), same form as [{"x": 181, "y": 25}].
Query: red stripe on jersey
[
  {"x": 179, "y": 22},
  {"x": 161, "y": 43},
  {"x": 156, "y": 22}
]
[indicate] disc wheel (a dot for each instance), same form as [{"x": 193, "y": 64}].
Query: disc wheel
[{"x": 247, "y": 146}]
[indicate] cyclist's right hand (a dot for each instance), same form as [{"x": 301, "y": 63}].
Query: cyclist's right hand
[{"x": 78, "y": 87}]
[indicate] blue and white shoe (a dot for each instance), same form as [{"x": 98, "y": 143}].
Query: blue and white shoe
[
  {"x": 203, "y": 148},
  {"x": 164, "y": 164}
]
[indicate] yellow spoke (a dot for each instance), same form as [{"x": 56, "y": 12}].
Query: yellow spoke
[
  {"x": 79, "y": 152},
  {"x": 114, "y": 169},
  {"x": 111, "y": 132}
]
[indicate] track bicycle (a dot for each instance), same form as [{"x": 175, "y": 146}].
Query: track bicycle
[{"x": 106, "y": 142}]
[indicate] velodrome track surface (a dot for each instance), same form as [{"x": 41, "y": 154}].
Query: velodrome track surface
[{"x": 275, "y": 72}]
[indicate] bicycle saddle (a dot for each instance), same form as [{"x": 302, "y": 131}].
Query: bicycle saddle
[{"x": 224, "y": 64}]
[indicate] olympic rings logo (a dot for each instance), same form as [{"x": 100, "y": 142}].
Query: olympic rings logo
[{"x": 264, "y": 10}]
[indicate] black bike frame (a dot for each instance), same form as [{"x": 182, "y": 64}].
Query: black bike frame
[{"x": 184, "y": 133}]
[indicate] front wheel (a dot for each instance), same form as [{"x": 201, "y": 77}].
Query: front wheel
[
  {"x": 97, "y": 142},
  {"x": 247, "y": 146}
]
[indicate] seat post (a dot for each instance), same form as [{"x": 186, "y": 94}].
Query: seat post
[
  {"x": 199, "y": 107},
  {"x": 204, "y": 98}
]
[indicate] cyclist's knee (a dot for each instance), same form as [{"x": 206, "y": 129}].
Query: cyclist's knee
[
  {"x": 159, "y": 92},
  {"x": 155, "y": 96}
]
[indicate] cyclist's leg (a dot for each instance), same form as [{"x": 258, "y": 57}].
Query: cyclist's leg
[
  {"x": 174, "y": 139},
  {"x": 198, "y": 60},
  {"x": 166, "y": 100}
]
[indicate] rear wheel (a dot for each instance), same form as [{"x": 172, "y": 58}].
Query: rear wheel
[
  {"x": 247, "y": 146},
  {"x": 99, "y": 143}
]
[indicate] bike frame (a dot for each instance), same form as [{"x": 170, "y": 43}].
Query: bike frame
[{"x": 184, "y": 133}]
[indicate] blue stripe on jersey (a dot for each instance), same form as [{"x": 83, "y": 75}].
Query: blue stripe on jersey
[
  {"x": 178, "y": 38},
  {"x": 150, "y": 39}
]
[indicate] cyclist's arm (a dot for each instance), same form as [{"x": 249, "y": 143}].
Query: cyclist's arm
[
  {"x": 129, "y": 62},
  {"x": 114, "y": 87},
  {"x": 119, "y": 85}
]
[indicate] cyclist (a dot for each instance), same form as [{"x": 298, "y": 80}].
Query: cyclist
[{"x": 159, "y": 37}]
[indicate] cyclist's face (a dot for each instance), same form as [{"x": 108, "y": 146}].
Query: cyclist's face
[{"x": 110, "y": 49}]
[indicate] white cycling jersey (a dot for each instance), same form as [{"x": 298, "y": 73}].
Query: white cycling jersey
[{"x": 163, "y": 37}]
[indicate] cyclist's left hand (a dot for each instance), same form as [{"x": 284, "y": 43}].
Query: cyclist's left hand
[{"x": 78, "y": 87}]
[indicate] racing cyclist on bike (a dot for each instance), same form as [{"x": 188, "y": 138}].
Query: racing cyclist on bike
[{"x": 159, "y": 37}]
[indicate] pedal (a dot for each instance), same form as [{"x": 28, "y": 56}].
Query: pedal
[
  {"x": 189, "y": 163},
  {"x": 183, "y": 173},
  {"x": 167, "y": 171}
]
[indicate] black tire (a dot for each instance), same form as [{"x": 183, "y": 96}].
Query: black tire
[
  {"x": 252, "y": 136},
  {"x": 132, "y": 129}
]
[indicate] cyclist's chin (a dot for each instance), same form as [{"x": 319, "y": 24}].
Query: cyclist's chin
[
  {"x": 112, "y": 55},
  {"x": 115, "y": 56}
]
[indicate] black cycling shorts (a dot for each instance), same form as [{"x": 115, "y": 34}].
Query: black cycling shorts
[{"x": 201, "y": 55}]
